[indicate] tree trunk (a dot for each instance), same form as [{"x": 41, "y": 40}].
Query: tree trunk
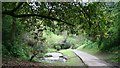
[
  {"x": 32, "y": 57},
  {"x": 13, "y": 29}
]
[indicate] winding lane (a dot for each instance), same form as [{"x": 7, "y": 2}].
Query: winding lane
[{"x": 90, "y": 60}]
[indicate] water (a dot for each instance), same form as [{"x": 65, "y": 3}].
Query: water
[{"x": 54, "y": 57}]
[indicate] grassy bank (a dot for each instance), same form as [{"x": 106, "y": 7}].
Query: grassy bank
[
  {"x": 110, "y": 57},
  {"x": 72, "y": 59}
]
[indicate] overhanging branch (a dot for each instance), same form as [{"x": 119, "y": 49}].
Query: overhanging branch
[
  {"x": 86, "y": 13},
  {"x": 17, "y": 7},
  {"x": 29, "y": 15},
  {"x": 11, "y": 13}
]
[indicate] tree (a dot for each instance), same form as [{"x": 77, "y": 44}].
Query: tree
[{"x": 92, "y": 19}]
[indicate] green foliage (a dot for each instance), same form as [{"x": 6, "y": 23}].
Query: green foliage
[
  {"x": 114, "y": 36},
  {"x": 5, "y": 52},
  {"x": 94, "y": 25},
  {"x": 6, "y": 29},
  {"x": 51, "y": 50},
  {"x": 58, "y": 47}
]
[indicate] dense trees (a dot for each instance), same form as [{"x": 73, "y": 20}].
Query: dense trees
[{"x": 98, "y": 21}]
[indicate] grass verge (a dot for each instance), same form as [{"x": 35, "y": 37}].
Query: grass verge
[
  {"x": 110, "y": 57},
  {"x": 72, "y": 59}
]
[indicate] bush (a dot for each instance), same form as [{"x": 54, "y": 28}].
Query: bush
[{"x": 57, "y": 46}]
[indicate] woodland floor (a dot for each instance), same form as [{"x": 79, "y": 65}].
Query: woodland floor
[
  {"x": 8, "y": 62},
  {"x": 15, "y": 62}
]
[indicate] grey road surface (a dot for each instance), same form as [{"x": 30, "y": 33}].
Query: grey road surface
[{"x": 91, "y": 60}]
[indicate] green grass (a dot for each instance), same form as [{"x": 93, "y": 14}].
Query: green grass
[
  {"x": 88, "y": 50},
  {"x": 51, "y": 50},
  {"x": 73, "y": 60}
]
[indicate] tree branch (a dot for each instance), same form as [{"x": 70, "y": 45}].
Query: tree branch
[
  {"x": 29, "y": 15},
  {"x": 11, "y": 13},
  {"x": 85, "y": 12},
  {"x": 18, "y": 6}
]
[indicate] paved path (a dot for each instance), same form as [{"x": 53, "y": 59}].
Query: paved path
[{"x": 90, "y": 60}]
